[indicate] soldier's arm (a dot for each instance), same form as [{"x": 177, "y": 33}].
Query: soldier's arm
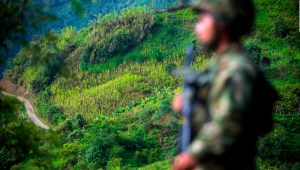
[{"x": 228, "y": 100}]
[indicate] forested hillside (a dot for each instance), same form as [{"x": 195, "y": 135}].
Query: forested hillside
[
  {"x": 67, "y": 17},
  {"x": 77, "y": 14},
  {"x": 106, "y": 89}
]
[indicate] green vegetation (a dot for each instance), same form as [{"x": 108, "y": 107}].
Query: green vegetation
[
  {"x": 89, "y": 10},
  {"x": 20, "y": 138},
  {"x": 106, "y": 89}
]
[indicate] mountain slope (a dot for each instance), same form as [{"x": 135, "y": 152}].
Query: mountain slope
[{"x": 112, "y": 108}]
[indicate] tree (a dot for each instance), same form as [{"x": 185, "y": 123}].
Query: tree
[
  {"x": 280, "y": 29},
  {"x": 255, "y": 51},
  {"x": 80, "y": 121},
  {"x": 98, "y": 151},
  {"x": 19, "y": 138},
  {"x": 66, "y": 128},
  {"x": 18, "y": 17}
]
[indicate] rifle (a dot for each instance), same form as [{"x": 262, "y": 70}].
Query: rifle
[
  {"x": 188, "y": 91},
  {"x": 193, "y": 82}
]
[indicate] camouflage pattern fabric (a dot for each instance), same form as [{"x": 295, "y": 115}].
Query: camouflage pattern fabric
[
  {"x": 222, "y": 136},
  {"x": 218, "y": 7}
]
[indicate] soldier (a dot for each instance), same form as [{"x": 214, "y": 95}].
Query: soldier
[{"x": 226, "y": 125}]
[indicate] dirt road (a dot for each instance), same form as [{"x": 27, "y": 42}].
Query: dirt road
[{"x": 30, "y": 111}]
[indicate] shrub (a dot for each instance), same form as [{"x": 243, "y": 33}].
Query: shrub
[
  {"x": 170, "y": 67},
  {"x": 280, "y": 28},
  {"x": 163, "y": 109},
  {"x": 76, "y": 134},
  {"x": 66, "y": 128},
  {"x": 153, "y": 155},
  {"x": 116, "y": 34},
  {"x": 19, "y": 138},
  {"x": 288, "y": 99},
  {"x": 40, "y": 81},
  {"x": 80, "y": 121},
  {"x": 254, "y": 50},
  {"x": 114, "y": 164},
  {"x": 122, "y": 40},
  {"x": 98, "y": 152},
  {"x": 57, "y": 118},
  {"x": 116, "y": 151},
  {"x": 157, "y": 165},
  {"x": 273, "y": 146},
  {"x": 141, "y": 157}
]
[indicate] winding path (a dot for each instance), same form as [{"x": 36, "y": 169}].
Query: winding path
[{"x": 30, "y": 111}]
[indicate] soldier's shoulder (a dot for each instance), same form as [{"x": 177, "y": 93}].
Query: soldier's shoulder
[{"x": 237, "y": 62}]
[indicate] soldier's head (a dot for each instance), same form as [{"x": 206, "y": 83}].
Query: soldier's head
[{"x": 219, "y": 18}]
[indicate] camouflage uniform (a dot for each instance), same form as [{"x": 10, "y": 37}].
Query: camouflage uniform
[
  {"x": 235, "y": 106},
  {"x": 221, "y": 137}
]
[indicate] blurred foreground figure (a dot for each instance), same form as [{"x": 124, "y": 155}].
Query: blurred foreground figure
[{"x": 234, "y": 106}]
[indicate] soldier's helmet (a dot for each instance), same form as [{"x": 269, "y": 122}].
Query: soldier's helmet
[{"x": 237, "y": 15}]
